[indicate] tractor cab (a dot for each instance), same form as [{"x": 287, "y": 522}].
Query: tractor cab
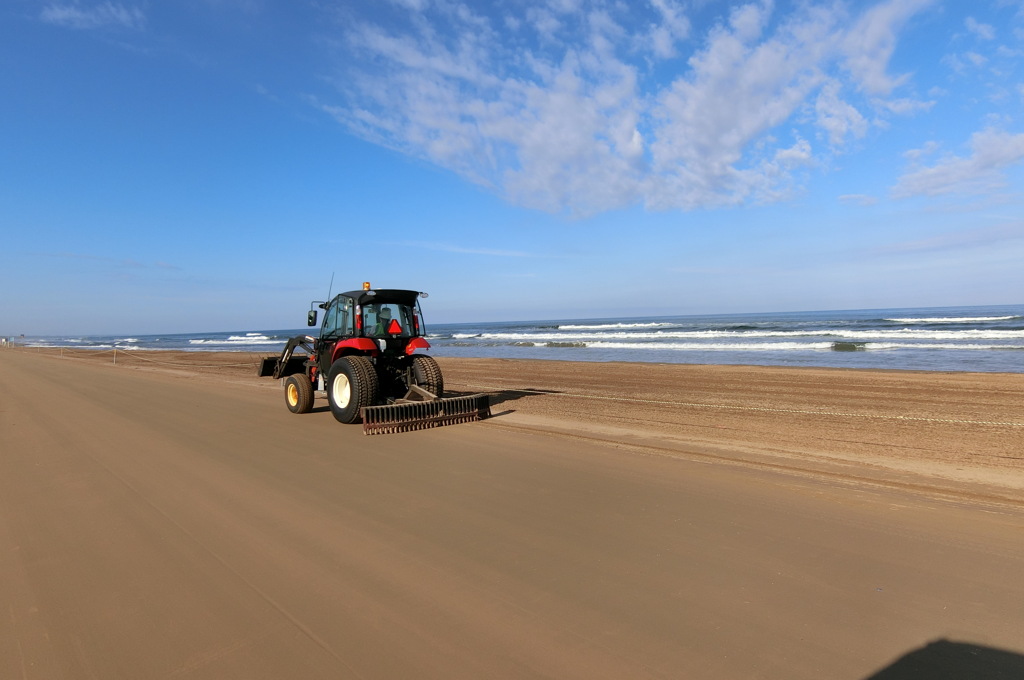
[
  {"x": 371, "y": 314},
  {"x": 386, "y": 321}
]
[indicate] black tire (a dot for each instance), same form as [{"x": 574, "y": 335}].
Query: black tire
[
  {"x": 298, "y": 393},
  {"x": 427, "y": 374},
  {"x": 351, "y": 385}
]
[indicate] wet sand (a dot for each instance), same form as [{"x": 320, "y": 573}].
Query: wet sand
[{"x": 165, "y": 516}]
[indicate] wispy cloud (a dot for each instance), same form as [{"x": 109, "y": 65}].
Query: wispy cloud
[
  {"x": 991, "y": 152},
  {"x": 959, "y": 240},
  {"x": 980, "y": 30},
  {"x": 870, "y": 41},
  {"x": 566, "y": 107},
  {"x": 88, "y": 17},
  {"x": 858, "y": 199}
]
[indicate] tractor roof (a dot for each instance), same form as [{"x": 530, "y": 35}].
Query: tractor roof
[{"x": 383, "y": 296}]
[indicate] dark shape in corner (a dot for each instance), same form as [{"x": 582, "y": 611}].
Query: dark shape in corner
[{"x": 945, "y": 660}]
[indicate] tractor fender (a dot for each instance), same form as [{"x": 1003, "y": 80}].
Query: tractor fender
[
  {"x": 350, "y": 345},
  {"x": 415, "y": 344}
]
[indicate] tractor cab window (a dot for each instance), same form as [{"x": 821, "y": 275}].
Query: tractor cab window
[
  {"x": 387, "y": 320},
  {"x": 338, "y": 319}
]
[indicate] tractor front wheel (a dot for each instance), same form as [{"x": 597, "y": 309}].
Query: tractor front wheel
[
  {"x": 351, "y": 385},
  {"x": 298, "y": 393}
]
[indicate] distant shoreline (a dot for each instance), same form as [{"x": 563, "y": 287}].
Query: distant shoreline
[
  {"x": 221, "y": 358},
  {"x": 952, "y": 339}
]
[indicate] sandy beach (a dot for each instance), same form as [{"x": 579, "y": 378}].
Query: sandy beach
[
  {"x": 956, "y": 433},
  {"x": 163, "y": 515}
]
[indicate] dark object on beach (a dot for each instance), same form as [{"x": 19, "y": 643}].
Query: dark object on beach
[
  {"x": 948, "y": 660},
  {"x": 364, "y": 361},
  {"x": 848, "y": 347}
]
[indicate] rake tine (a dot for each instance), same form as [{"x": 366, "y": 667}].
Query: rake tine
[{"x": 421, "y": 415}]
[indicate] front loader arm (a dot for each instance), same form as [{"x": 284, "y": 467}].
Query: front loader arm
[{"x": 287, "y": 364}]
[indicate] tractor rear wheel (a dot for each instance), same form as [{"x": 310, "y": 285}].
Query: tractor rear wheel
[
  {"x": 351, "y": 385},
  {"x": 298, "y": 393},
  {"x": 427, "y": 374}
]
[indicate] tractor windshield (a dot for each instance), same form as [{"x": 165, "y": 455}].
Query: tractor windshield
[{"x": 389, "y": 321}]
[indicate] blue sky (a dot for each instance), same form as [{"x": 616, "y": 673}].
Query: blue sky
[{"x": 209, "y": 164}]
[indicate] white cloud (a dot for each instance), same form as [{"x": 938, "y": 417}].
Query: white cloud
[
  {"x": 955, "y": 64},
  {"x": 796, "y": 155},
  {"x": 546, "y": 23},
  {"x": 903, "y": 106},
  {"x": 983, "y": 31},
  {"x": 836, "y": 117},
  {"x": 673, "y": 26},
  {"x": 863, "y": 200},
  {"x": 739, "y": 87},
  {"x": 102, "y": 15},
  {"x": 412, "y": 5},
  {"x": 992, "y": 151},
  {"x": 926, "y": 150},
  {"x": 978, "y": 60},
  {"x": 870, "y": 42},
  {"x": 564, "y": 113}
]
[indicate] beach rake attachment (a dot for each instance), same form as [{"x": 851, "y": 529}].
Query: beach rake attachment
[{"x": 420, "y": 410}]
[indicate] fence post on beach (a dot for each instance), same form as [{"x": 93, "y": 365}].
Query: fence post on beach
[{"x": 115, "y": 356}]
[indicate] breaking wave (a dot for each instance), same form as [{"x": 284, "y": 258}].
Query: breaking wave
[
  {"x": 953, "y": 319},
  {"x": 247, "y": 339},
  {"x": 713, "y": 346},
  {"x": 791, "y": 346},
  {"x": 589, "y": 327},
  {"x": 904, "y": 333}
]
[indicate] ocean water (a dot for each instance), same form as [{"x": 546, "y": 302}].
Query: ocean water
[{"x": 988, "y": 339}]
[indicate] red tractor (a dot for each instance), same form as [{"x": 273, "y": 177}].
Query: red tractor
[{"x": 367, "y": 361}]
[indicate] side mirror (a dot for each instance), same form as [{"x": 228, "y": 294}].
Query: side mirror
[{"x": 311, "y": 318}]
